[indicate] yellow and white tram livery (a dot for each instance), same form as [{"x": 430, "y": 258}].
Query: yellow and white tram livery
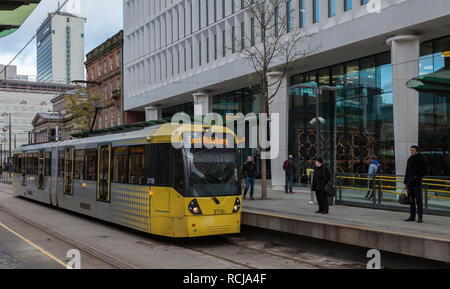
[{"x": 138, "y": 179}]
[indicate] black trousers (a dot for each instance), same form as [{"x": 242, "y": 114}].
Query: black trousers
[
  {"x": 322, "y": 200},
  {"x": 415, "y": 193}
]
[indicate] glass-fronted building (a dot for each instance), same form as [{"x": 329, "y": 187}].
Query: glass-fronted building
[
  {"x": 359, "y": 117},
  {"x": 434, "y": 109}
]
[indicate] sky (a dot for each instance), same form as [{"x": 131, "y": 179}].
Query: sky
[{"x": 104, "y": 19}]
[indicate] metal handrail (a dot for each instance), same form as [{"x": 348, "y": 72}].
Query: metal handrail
[{"x": 434, "y": 188}]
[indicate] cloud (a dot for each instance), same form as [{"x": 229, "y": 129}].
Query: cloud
[{"x": 104, "y": 19}]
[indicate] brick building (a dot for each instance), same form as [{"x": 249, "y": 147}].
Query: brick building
[{"x": 104, "y": 68}]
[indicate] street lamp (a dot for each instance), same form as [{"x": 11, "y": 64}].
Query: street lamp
[{"x": 318, "y": 91}]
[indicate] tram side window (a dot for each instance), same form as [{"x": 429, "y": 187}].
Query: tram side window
[
  {"x": 120, "y": 165},
  {"x": 79, "y": 165},
  {"x": 61, "y": 164},
  {"x": 91, "y": 165},
  {"x": 136, "y": 164},
  {"x": 35, "y": 164},
  {"x": 17, "y": 164},
  {"x": 163, "y": 171},
  {"x": 48, "y": 164},
  {"x": 30, "y": 164}
]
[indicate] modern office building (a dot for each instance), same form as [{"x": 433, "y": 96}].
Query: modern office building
[
  {"x": 60, "y": 48},
  {"x": 175, "y": 55}
]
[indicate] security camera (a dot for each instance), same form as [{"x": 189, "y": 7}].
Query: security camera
[{"x": 320, "y": 119}]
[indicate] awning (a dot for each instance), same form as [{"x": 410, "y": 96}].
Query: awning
[
  {"x": 437, "y": 81},
  {"x": 13, "y": 14}
]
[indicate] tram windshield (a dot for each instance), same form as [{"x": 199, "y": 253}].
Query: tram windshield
[{"x": 213, "y": 172}]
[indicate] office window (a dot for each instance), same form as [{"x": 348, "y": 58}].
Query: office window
[
  {"x": 215, "y": 46},
  {"x": 277, "y": 21},
  {"x": 199, "y": 53},
  {"x": 199, "y": 14},
  {"x": 224, "y": 43},
  {"x": 289, "y": 16},
  {"x": 347, "y": 5},
  {"x": 364, "y": 2},
  {"x": 252, "y": 32},
  {"x": 207, "y": 50},
  {"x": 242, "y": 35},
  {"x": 316, "y": 11},
  {"x": 233, "y": 39},
  {"x": 331, "y": 8},
  {"x": 302, "y": 13}
]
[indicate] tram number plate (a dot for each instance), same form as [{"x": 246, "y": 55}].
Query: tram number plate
[{"x": 219, "y": 212}]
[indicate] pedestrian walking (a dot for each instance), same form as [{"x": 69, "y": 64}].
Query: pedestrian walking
[
  {"x": 289, "y": 169},
  {"x": 321, "y": 178},
  {"x": 249, "y": 171},
  {"x": 373, "y": 171},
  {"x": 415, "y": 171}
]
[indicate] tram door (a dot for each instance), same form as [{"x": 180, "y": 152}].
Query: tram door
[
  {"x": 68, "y": 171},
  {"x": 41, "y": 171},
  {"x": 24, "y": 169},
  {"x": 104, "y": 173}
]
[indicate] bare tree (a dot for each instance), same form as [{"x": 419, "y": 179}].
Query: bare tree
[{"x": 274, "y": 42}]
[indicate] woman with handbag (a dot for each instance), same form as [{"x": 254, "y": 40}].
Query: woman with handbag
[{"x": 321, "y": 178}]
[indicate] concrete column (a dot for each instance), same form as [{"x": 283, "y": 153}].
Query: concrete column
[
  {"x": 152, "y": 113},
  {"x": 280, "y": 105},
  {"x": 201, "y": 103},
  {"x": 405, "y": 51}
]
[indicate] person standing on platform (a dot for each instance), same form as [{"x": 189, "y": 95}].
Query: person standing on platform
[
  {"x": 249, "y": 171},
  {"x": 373, "y": 170},
  {"x": 322, "y": 177},
  {"x": 289, "y": 169},
  {"x": 415, "y": 171}
]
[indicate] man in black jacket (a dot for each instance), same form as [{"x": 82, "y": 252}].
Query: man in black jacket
[
  {"x": 249, "y": 171},
  {"x": 321, "y": 177},
  {"x": 289, "y": 169},
  {"x": 415, "y": 171}
]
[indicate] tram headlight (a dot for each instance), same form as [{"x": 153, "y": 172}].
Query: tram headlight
[
  {"x": 237, "y": 206},
  {"x": 194, "y": 208}
]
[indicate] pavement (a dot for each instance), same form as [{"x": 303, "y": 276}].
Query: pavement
[{"x": 294, "y": 214}]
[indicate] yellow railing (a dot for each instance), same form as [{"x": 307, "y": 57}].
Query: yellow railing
[{"x": 430, "y": 185}]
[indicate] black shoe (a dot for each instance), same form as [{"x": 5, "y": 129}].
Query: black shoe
[
  {"x": 410, "y": 220},
  {"x": 420, "y": 221},
  {"x": 252, "y": 199},
  {"x": 324, "y": 213},
  {"x": 319, "y": 212}
]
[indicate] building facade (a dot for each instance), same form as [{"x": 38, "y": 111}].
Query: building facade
[
  {"x": 105, "y": 81},
  {"x": 175, "y": 55},
  {"x": 23, "y": 100},
  {"x": 45, "y": 127},
  {"x": 60, "y": 48}
]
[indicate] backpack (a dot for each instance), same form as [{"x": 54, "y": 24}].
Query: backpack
[{"x": 286, "y": 167}]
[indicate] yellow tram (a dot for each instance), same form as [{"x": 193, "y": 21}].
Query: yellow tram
[{"x": 156, "y": 179}]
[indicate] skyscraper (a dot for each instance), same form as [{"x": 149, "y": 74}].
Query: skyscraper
[{"x": 60, "y": 48}]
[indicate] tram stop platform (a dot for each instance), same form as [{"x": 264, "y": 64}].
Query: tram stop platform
[{"x": 367, "y": 228}]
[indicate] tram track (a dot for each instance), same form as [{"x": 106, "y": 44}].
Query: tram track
[{"x": 82, "y": 247}]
